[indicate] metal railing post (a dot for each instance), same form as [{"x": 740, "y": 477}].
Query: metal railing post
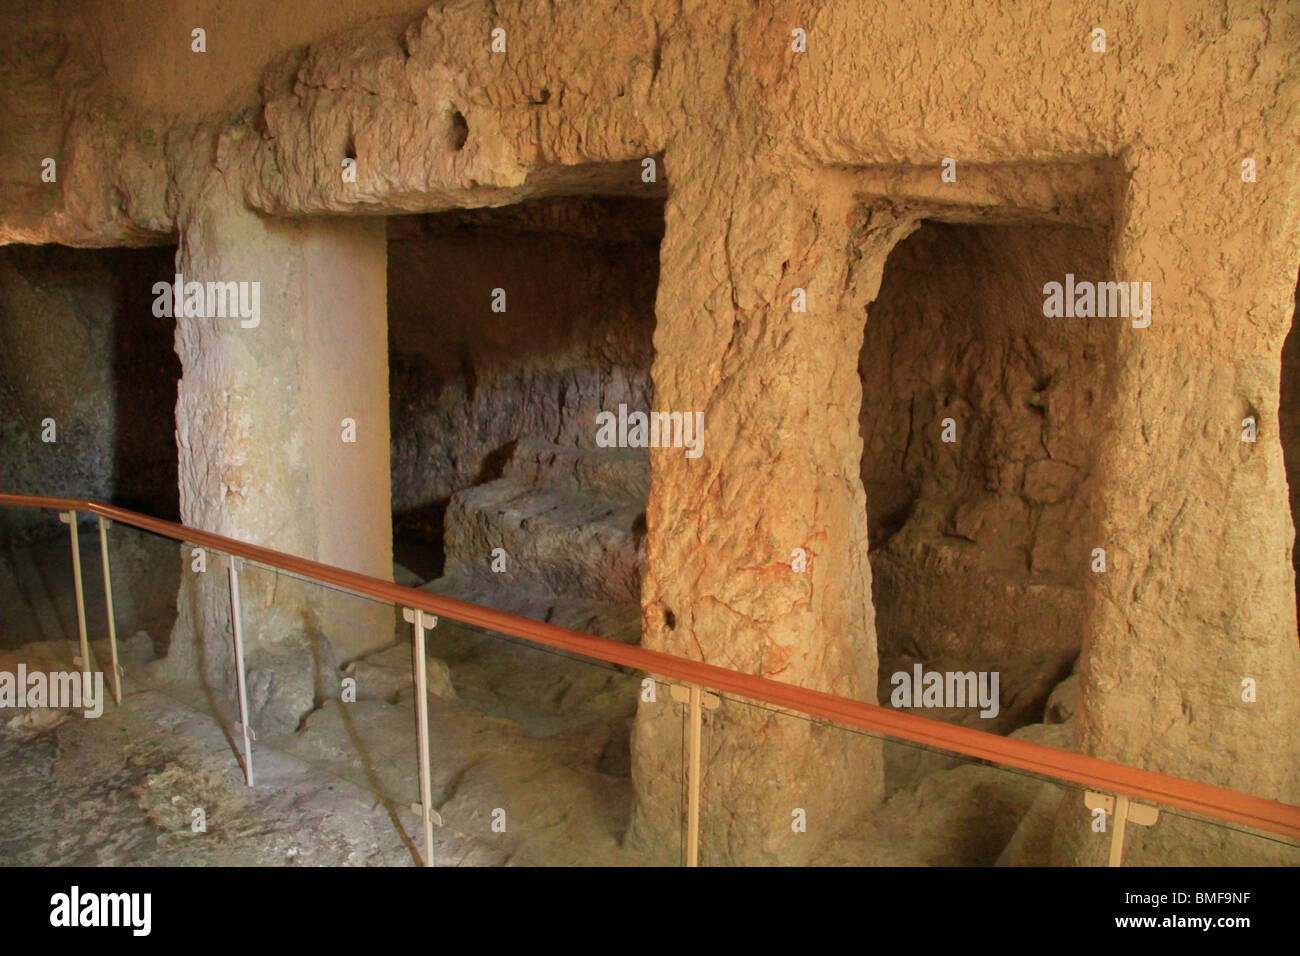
[
  {"x": 1122, "y": 811},
  {"x": 235, "y": 564},
  {"x": 696, "y": 701},
  {"x": 1117, "y": 831},
  {"x": 104, "y": 525},
  {"x": 70, "y": 519},
  {"x": 693, "y": 785},
  {"x": 1070, "y": 769},
  {"x": 418, "y": 622}
]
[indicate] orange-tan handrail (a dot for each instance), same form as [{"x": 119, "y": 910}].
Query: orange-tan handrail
[{"x": 1091, "y": 772}]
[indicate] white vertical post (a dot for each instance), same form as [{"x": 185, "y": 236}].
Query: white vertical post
[
  {"x": 70, "y": 519},
  {"x": 418, "y": 621},
  {"x": 696, "y": 700},
  {"x": 235, "y": 564},
  {"x": 693, "y": 778},
  {"x": 1117, "y": 830},
  {"x": 1122, "y": 811},
  {"x": 104, "y": 525}
]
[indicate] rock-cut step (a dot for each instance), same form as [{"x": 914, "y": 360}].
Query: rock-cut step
[
  {"x": 569, "y": 524},
  {"x": 615, "y": 474},
  {"x": 544, "y": 689},
  {"x": 553, "y": 541}
]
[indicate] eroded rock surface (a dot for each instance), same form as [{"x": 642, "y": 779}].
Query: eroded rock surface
[{"x": 783, "y": 171}]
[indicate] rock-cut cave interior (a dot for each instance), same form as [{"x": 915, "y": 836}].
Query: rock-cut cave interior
[{"x": 907, "y": 464}]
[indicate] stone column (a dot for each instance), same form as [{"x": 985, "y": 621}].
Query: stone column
[
  {"x": 263, "y": 455},
  {"x": 1198, "y": 595},
  {"x": 780, "y": 471}
]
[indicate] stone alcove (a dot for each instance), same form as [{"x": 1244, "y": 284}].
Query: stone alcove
[
  {"x": 88, "y": 380},
  {"x": 510, "y": 330},
  {"x": 507, "y": 397},
  {"x": 980, "y": 545}
]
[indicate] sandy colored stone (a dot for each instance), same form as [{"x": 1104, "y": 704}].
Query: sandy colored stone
[
  {"x": 385, "y": 674},
  {"x": 1063, "y": 705},
  {"x": 786, "y": 171}
]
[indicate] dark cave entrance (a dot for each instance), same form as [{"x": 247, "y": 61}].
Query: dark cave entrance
[
  {"x": 980, "y": 547},
  {"x": 84, "y": 350},
  {"x": 83, "y": 347},
  {"x": 501, "y": 494},
  {"x": 493, "y": 413}
]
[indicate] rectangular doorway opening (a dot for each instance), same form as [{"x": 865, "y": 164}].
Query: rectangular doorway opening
[
  {"x": 88, "y": 385},
  {"x": 981, "y": 419},
  {"x": 510, "y": 330}
]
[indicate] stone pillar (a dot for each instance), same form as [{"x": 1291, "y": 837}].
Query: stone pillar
[
  {"x": 1198, "y": 594},
  {"x": 780, "y": 470},
  {"x": 260, "y": 433}
]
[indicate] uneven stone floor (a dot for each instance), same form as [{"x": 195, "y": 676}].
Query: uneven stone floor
[
  {"x": 121, "y": 789},
  {"x": 518, "y": 735}
]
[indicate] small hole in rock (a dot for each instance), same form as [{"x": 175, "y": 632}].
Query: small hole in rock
[{"x": 459, "y": 130}]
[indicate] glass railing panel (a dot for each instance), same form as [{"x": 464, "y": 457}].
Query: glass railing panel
[
  {"x": 839, "y": 795},
  {"x": 807, "y": 792},
  {"x": 89, "y": 784},
  {"x": 1182, "y": 838},
  {"x": 334, "y": 763},
  {"x": 531, "y": 748},
  {"x": 147, "y": 572},
  {"x": 331, "y": 673},
  {"x": 542, "y": 748},
  {"x": 39, "y": 612}
]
